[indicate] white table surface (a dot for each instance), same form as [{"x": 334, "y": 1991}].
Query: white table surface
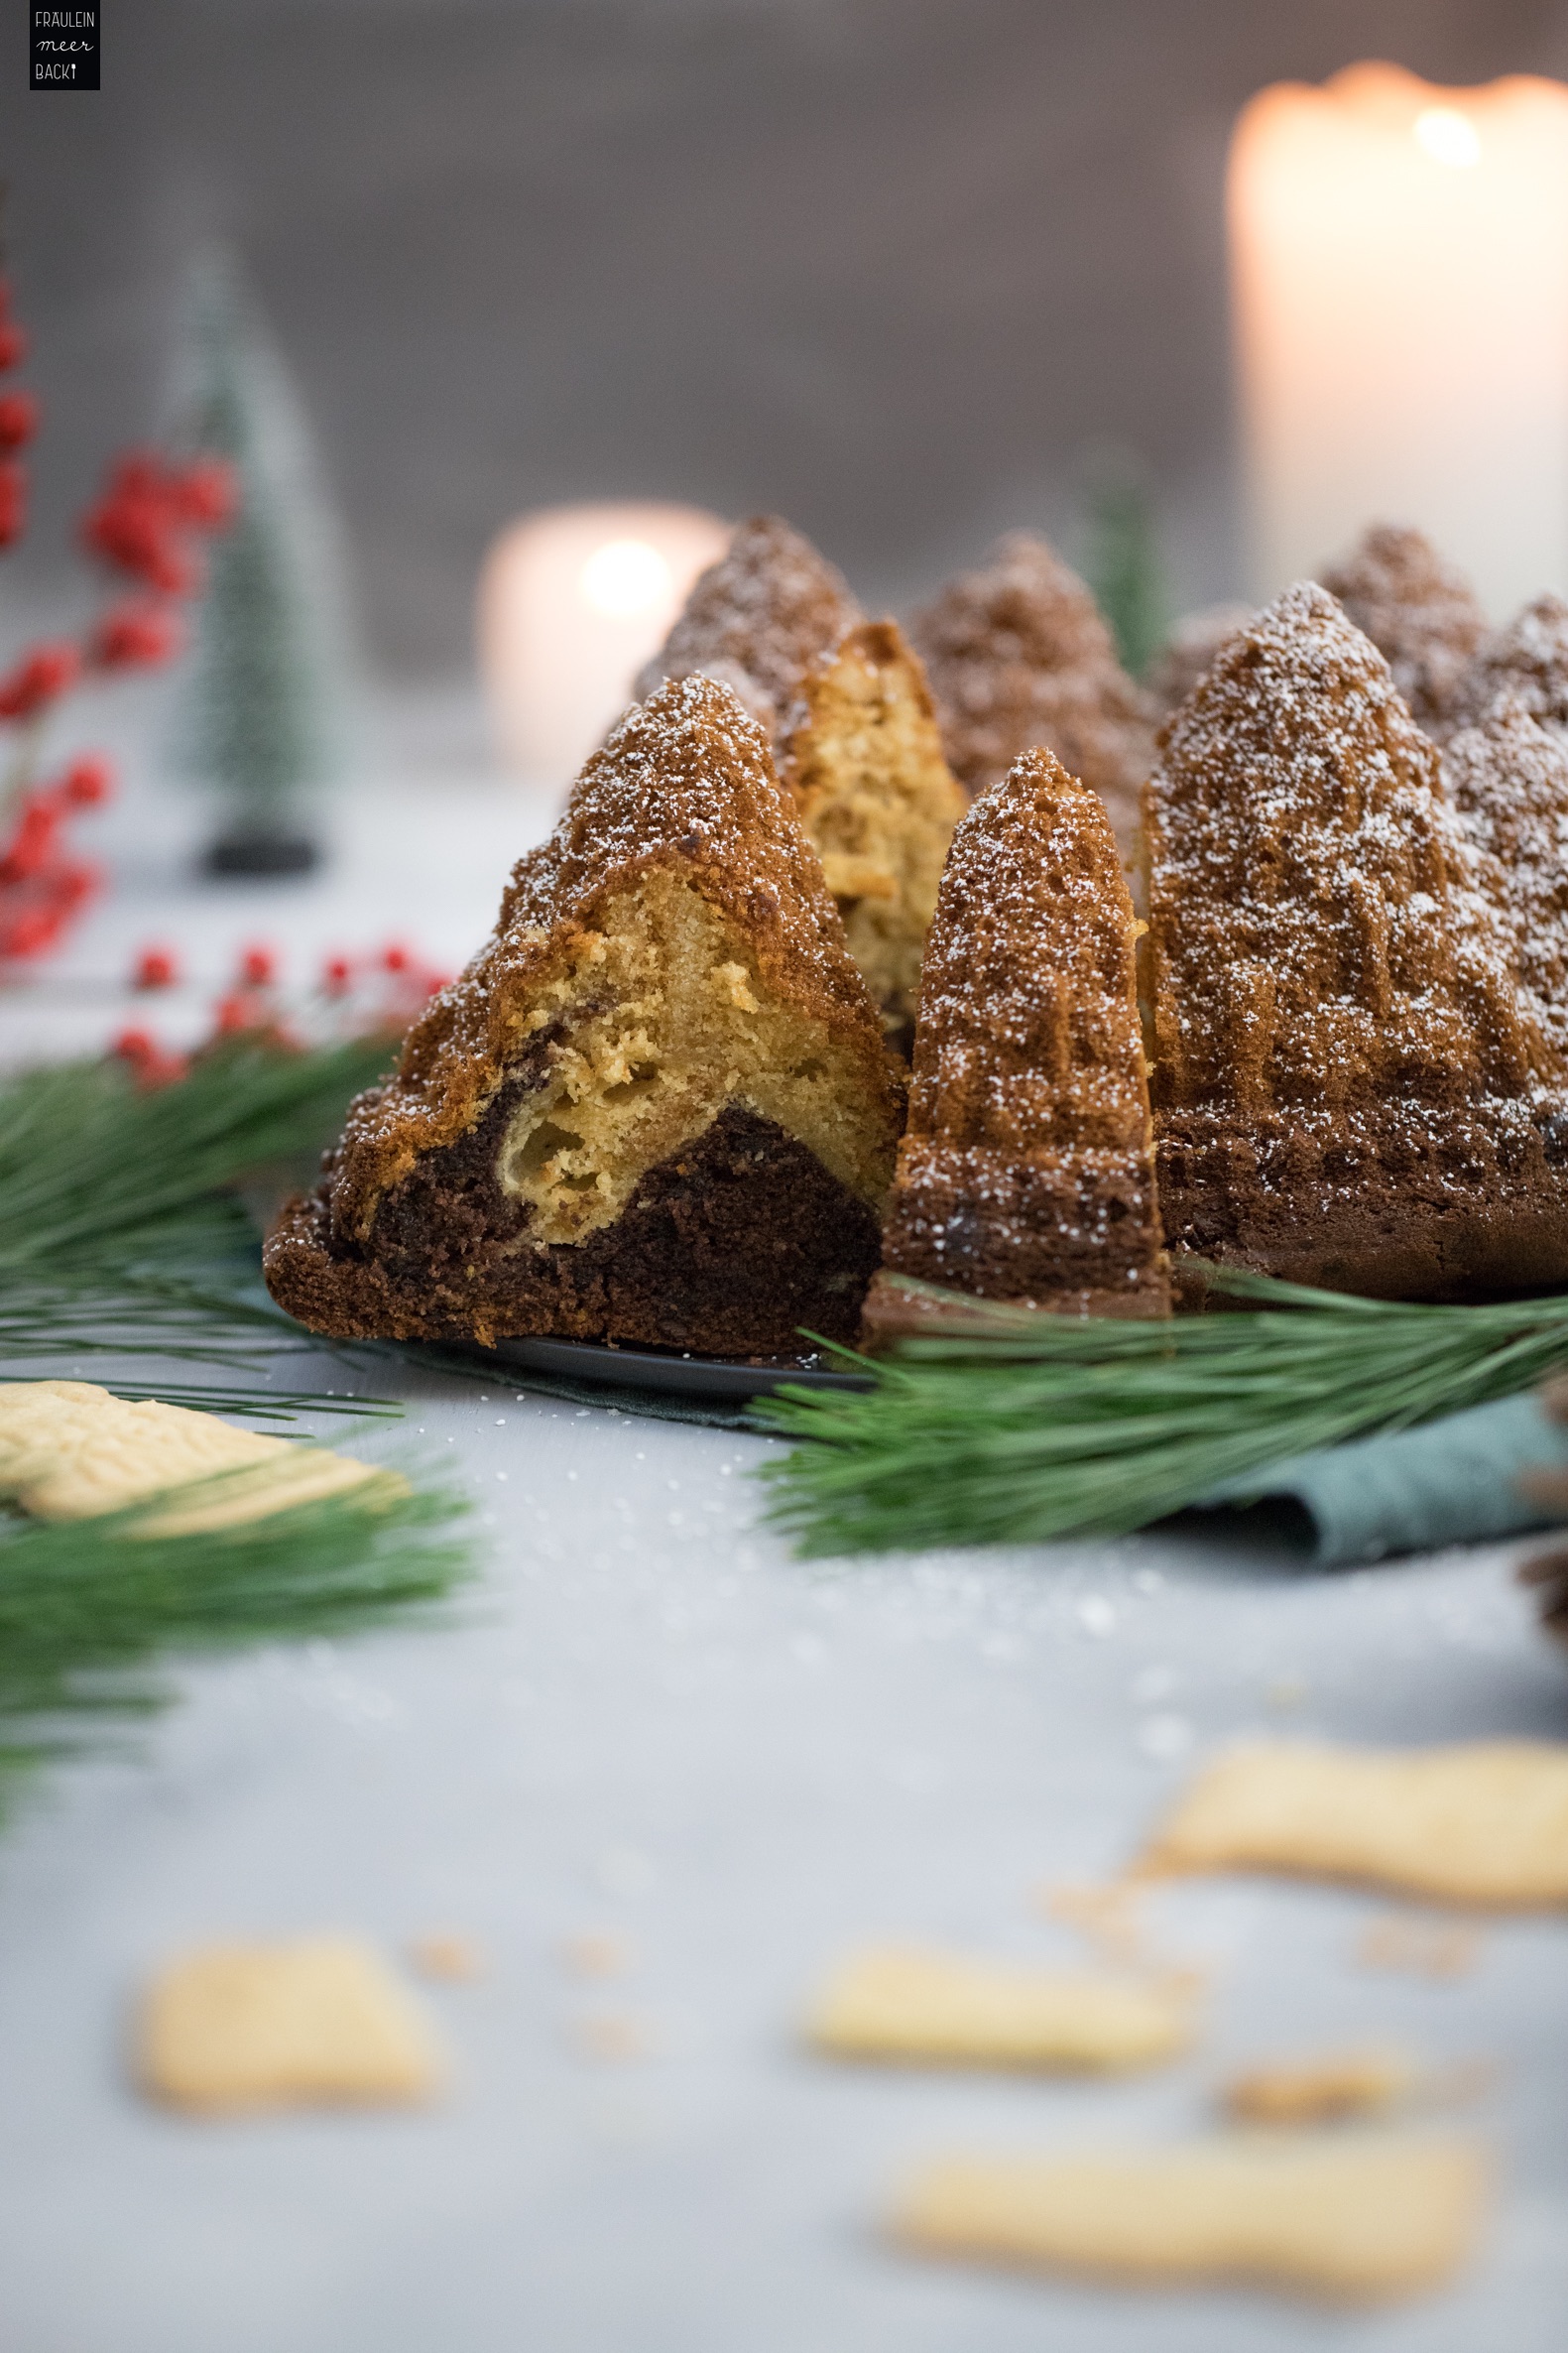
[{"x": 648, "y": 1721}]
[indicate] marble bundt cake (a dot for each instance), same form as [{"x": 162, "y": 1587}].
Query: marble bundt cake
[
  {"x": 1351, "y": 1089},
  {"x": 1018, "y": 654},
  {"x": 1507, "y": 779},
  {"x": 1418, "y": 611},
  {"x": 1527, "y": 660},
  {"x": 656, "y": 1107},
  {"x": 757, "y": 620},
  {"x": 1026, "y": 1172},
  {"x": 864, "y": 759}
]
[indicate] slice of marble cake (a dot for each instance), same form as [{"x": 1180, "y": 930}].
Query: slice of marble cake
[{"x": 656, "y": 1107}]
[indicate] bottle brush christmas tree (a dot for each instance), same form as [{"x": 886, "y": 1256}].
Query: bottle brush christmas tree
[
  {"x": 1124, "y": 565},
  {"x": 261, "y": 720}
]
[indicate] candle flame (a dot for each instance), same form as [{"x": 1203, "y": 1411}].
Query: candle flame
[
  {"x": 626, "y": 577},
  {"x": 1448, "y": 136}
]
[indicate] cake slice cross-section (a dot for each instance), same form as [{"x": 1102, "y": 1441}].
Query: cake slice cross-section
[
  {"x": 1351, "y": 1087},
  {"x": 864, "y": 759},
  {"x": 656, "y": 1107},
  {"x": 1026, "y": 1173}
]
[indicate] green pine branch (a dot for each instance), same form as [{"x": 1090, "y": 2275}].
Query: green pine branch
[
  {"x": 1042, "y": 1426},
  {"x": 119, "y": 1232},
  {"x": 87, "y": 1606}
]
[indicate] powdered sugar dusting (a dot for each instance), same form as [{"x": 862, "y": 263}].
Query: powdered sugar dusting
[
  {"x": 758, "y": 620},
  {"x": 1530, "y": 660},
  {"x": 1418, "y": 611},
  {"x": 1018, "y": 654},
  {"x": 1322, "y": 935},
  {"x": 687, "y": 780},
  {"x": 1026, "y": 1157},
  {"x": 1508, "y": 781}
]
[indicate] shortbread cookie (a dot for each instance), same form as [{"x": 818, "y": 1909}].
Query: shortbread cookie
[
  {"x": 1312, "y": 2091},
  {"x": 1486, "y": 1823},
  {"x": 268, "y": 2026},
  {"x": 1343, "y": 2220},
  {"x": 69, "y": 1450},
  {"x": 903, "y": 2004}
]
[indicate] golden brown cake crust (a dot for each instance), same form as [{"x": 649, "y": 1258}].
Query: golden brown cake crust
[
  {"x": 1418, "y": 611},
  {"x": 862, "y": 757},
  {"x": 1349, "y": 1087},
  {"x": 431, "y": 1215},
  {"x": 1025, "y": 1172},
  {"x": 1507, "y": 779},
  {"x": 1018, "y": 654},
  {"x": 757, "y": 620},
  {"x": 1527, "y": 660}
]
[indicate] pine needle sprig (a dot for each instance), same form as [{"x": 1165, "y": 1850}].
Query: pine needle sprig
[
  {"x": 89, "y": 1161},
  {"x": 1026, "y": 1426},
  {"x": 119, "y": 1237},
  {"x": 86, "y": 1604}
]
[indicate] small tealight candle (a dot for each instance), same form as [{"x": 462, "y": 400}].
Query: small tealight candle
[
  {"x": 572, "y": 601},
  {"x": 1400, "y": 266}
]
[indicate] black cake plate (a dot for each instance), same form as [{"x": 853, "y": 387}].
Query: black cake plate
[{"x": 732, "y": 1379}]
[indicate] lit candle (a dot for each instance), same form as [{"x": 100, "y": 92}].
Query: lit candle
[
  {"x": 572, "y": 601},
  {"x": 1399, "y": 261}
]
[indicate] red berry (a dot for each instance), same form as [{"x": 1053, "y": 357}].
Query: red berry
[
  {"x": 231, "y": 1014},
  {"x": 32, "y": 845},
  {"x": 259, "y": 967},
  {"x": 13, "y": 501},
  {"x": 30, "y": 932},
  {"x": 155, "y": 968},
  {"x": 18, "y": 420},
  {"x": 135, "y": 1045},
  {"x": 336, "y": 974},
  {"x": 75, "y": 884},
  {"x": 89, "y": 783},
  {"x": 396, "y": 958},
  {"x": 13, "y": 344},
  {"x": 208, "y": 493},
  {"x": 130, "y": 635},
  {"x": 36, "y": 680}
]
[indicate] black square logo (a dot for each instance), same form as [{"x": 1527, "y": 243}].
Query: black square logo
[{"x": 64, "y": 47}]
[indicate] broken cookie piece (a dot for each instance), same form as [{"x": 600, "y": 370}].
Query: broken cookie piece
[
  {"x": 71, "y": 1451},
  {"x": 318, "y": 2021},
  {"x": 906, "y": 2005},
  {"x": 1484, "y": 1824},
  {"x": 1344, "y": 2220}
]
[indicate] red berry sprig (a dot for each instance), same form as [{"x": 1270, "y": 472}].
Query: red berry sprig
[{"x": 147, "y": 527}]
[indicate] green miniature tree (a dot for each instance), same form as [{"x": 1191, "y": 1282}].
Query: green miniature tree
[
  {"x": 260, "y": 720},
  {"x": 1123, "y": 566}
]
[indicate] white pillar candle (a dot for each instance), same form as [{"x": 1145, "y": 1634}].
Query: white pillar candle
[
  {"x": 1400, "y": 263},
  {"x": 572, "y": 601}
]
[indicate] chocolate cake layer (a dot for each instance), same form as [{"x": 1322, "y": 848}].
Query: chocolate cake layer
[
  {"x": 1007, "y": 1225},
  {"x": 1412, "y": 1204},
  {"x": 730, "y": 1246}
]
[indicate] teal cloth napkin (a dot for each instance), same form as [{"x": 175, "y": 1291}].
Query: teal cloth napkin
[{"x": 1447, "y": 1483}]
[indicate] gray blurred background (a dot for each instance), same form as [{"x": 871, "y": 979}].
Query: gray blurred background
[{"x": 897, "y": 268}]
